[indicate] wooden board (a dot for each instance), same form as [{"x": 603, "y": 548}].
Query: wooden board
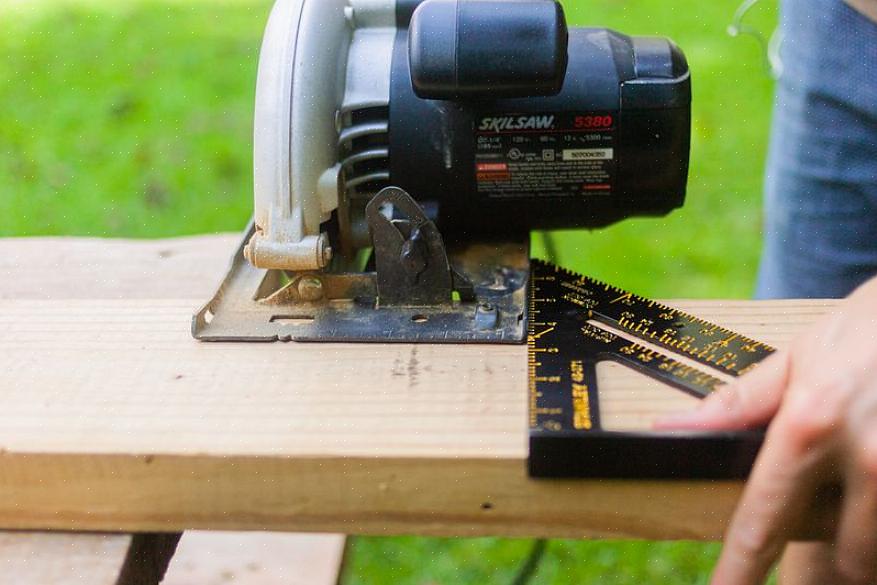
[
  {"x": 59, "y": 268},
  {"x": 84, "y": 559},
  {"x": 256, "y": 558},
  {"x": 93, "y": 268},
  {"x": 113, "y": 418}
]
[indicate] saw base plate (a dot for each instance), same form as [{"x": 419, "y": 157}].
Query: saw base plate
[{"x": 254, "y": 304}]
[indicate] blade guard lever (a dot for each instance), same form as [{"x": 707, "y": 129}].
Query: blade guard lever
[{"x": 410, "y": 258}]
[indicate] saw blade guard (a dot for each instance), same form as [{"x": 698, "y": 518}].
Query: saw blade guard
[
  {"x": 294, "y": 155},
  {"x": 338, "y": 119}
]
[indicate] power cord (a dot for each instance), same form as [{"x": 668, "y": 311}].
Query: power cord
[
  {"x": 770, "y": 47},
  {"x": 531, "y": 563},
  {"x": 550, "y": 247}
]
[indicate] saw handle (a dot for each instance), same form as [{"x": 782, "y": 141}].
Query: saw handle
[{"x": 487, "y": 48}]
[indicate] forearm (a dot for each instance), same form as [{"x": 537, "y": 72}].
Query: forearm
[{"x": 866, "y": 7}]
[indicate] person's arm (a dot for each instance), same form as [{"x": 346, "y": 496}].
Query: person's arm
[
  {"x": 820, "y": 398},
  {"x": 866, "y": 7}
]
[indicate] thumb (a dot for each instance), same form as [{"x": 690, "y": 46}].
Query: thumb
[{"x": 750, "y": 401}]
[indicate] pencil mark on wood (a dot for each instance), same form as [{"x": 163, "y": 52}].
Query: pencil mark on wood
[{"x": 413, "y": 368}]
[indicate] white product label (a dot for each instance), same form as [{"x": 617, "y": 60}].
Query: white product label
[{"x": 587, "y": 154}]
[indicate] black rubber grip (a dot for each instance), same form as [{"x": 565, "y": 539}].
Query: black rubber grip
[{"x": 487, "y": 48}]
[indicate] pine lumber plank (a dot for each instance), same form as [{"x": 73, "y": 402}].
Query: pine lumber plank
[
  {"x": 83, "y": 267},
  {"x": 256, "y": 558},
  {"x": 113, "y": 418},
  {"x": 97, "y": 268},
  {"x": 36, "y": 558}
]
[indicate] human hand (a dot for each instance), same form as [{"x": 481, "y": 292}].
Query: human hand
[{"x": 820, "y": 397}]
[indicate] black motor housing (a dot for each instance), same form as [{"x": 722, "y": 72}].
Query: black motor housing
[{"x": 610, "y": 143}]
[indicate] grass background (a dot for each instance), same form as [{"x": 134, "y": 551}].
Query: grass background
[{"x": 133, "y": 118}]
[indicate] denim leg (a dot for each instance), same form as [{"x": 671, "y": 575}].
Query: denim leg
[{"x": 821, "y": 179}]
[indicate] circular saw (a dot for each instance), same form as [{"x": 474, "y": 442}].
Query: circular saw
[{"x": 404, "y": 150}]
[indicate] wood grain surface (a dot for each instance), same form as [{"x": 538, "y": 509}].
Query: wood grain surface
[
  {"x": 256, "y": 558},
  {"x": 37, "y": 558},
  {"x": 62, "y": 268},
  {"x": 113, "y": 418}
]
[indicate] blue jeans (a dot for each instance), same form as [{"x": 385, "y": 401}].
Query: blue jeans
[{"x": 821, "y": 179}]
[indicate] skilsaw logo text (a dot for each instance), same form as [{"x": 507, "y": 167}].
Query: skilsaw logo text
[{"x": 506, "y": 123}]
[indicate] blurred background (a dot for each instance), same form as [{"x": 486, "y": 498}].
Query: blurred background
[{"x": 133, "y": 118}]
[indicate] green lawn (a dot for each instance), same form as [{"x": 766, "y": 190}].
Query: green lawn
[{"x": 134, "y": 119}]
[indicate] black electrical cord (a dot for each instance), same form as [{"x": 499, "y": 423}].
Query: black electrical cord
[
  {"x": 531, "y": 563},
  {"x": 550, "y": 247}
]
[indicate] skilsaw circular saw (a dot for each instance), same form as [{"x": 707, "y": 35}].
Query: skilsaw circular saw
[{"x": 404, "y": 150}]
